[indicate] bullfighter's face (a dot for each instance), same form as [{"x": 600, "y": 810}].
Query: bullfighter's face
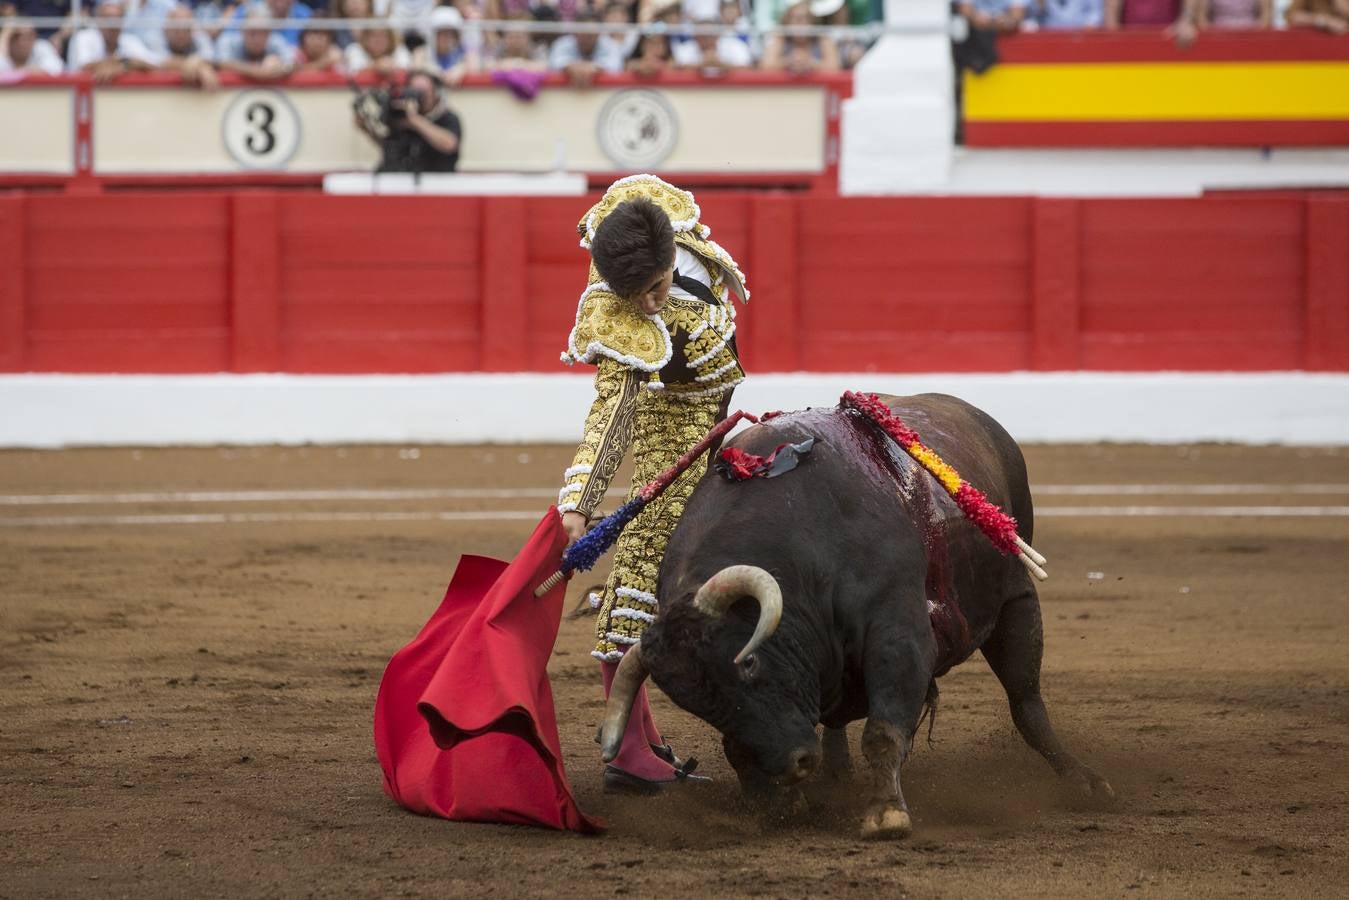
[{"x": 652, "y": 300}]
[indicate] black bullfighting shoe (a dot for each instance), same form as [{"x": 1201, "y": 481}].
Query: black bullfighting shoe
[
  {"x": 616, "y": 781},
  {"x": 662, "y": 751},
  {"x": 666, "y": 752}
]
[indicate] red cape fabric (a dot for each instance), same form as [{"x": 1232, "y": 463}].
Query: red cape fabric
[{"x": 464, "y": 721}]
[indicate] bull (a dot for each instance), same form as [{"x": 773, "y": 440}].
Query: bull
[{"x": 843, "y": 591}]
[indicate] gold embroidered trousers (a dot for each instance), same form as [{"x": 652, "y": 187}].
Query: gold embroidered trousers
[{"x": 665, "y": 428}]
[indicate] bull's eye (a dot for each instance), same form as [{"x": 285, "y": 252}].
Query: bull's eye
[{"x": 749, "y": 666}]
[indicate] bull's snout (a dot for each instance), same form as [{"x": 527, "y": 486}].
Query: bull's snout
[{"x": 800, "y": 763}]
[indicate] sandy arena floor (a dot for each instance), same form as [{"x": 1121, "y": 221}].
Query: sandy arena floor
[{"x": 188, "y": 683}]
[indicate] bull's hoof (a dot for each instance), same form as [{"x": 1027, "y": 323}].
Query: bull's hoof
[
  {"x": 1091, "y": 784},
  {"x": 887, "y": 823}
]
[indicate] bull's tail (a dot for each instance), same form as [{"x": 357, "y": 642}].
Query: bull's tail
[{"x": 929, "y": 711}]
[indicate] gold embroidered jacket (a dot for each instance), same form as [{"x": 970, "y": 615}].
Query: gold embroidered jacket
[{"x": 686, "y": 352}]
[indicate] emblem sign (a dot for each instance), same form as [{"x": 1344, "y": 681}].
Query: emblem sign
[
  {"x": 261, "y": 129},
  {"x": 637, "y": 128}
]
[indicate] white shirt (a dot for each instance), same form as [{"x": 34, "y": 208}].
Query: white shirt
[
  {"x": 690, "y": 266},
  {"x": 405, "y": 13},
  {"x": 733, "y": 51},
  {"x": 86, "y": 47},
  {"x": 145, "y": 20},
  {"x": 44, "y": 59},
  {"x": 687, "y": 53},
  {"x": 358, "y": 60},
  {"x": 701, "y": 10}
]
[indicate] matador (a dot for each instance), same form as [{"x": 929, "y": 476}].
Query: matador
[{"x": 657, "y": 320}]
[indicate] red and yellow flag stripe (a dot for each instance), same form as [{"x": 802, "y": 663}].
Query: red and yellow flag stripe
[{"x": 1144, "y": 91}]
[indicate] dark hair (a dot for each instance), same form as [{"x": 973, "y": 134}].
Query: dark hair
[
  {"x": 432, "y": 74},
  {"x": 633, "y": 246},
  {"x": 661, "y": 36}
]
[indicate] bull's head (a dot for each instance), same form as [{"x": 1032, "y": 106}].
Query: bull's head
[{"x": 763, "y": 698}]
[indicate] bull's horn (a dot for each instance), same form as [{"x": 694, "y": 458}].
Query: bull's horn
[
  {"x": 729, "y": 585},
  {"x": 627, "y": 682}
]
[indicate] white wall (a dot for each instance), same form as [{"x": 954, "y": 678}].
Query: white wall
[{"x": 70, "y": 410}]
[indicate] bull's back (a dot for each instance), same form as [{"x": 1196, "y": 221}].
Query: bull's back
[
  {"x": 889, "y": 503},
  {"x": 974, "y": 444}
]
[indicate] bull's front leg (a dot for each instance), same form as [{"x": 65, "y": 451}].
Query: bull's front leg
[
  {"x": 837, "y": 759},
  {"x": 885, "y": 748},
  {"x": 898, "y": 672}
]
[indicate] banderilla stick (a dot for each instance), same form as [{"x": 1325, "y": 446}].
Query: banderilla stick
[{"x": 587, "y": 551}]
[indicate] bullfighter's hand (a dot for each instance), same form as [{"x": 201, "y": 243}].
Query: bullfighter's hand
[{"x": 575, "y": 524}]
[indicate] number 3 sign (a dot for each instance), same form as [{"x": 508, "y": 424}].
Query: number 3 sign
[{"x": 261, "y": 129}]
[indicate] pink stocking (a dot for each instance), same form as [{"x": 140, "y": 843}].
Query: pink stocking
[{"x": 636, "y": 757}]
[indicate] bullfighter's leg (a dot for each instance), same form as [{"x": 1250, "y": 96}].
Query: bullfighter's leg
[
  {"x": 837, "y": 760},
  {"x": 898, "y": 670},
  {"x": 1014, "y": 651}
]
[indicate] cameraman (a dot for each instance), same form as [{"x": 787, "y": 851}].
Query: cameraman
[{"x": 422, "y": 133}]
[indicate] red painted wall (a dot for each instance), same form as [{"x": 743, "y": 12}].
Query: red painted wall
[{"x": 301, "y": 282}]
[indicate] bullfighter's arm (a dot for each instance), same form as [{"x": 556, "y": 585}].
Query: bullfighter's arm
[{"x": 608, "y": 433}]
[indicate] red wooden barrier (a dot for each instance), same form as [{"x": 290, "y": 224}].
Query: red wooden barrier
[
  {"x": 13, "y": 283},
  {"x": 303, "y": 282}
]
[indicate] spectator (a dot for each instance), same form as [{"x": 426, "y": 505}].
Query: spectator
[
  {"x": 58, "y": 37},
  {"x": 652, "y": 55},
  {"x": 446, "y": 53},
  {"x": 344, "y": 37},
  {"x": 318, "y": 52},
  {"x": 700, "y": 10},
  {"x": 732, "y": 13},
  {"x": 544, "y": 40},
  {"x": 254, "y": 51},
  {"x": 213, "y": 15},
  {"x": 1076, "y": 15},
  {"x": 472, "y": 13},
  {"x": 145, "y": 19},
  {"x": 1176, "y": 16},
  {"x": 186, "y": 50},
  {"x": 617, "y": 12},
  {"x": 768, "y": 13},
  {"x": 107, "y": 52},
  {"x": 1234, "y": 14},
  {"x": 21, "y": 50},
  {"x": 663, "y": 12},
  {"x": 712, "y": 51},
  {"x": 405, "y": 14},
  {"x": 426, "y": 136},
  {"x": 1323, "y": 15},
  {"x": 840, "y": 13},
  {"x": 377, "y": 49},
  {"x": 517, "y": 49},
  {"x": 281, "y": 10},
  {"x": 544, "y": 10},
  {"x": 803, "y": 54},
  {"x": 584, "y": 54},
  {"x": 1004, "y": 16}
]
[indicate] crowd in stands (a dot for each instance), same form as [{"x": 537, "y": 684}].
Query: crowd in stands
[
  {"x": 1184, "y": 18},
  {"x": 199, "y": 38}
]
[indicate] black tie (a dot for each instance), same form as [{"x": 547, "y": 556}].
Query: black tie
[{"x": 696, "y": 288}]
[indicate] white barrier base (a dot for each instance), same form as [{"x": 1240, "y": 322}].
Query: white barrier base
[{"x": 144, "y": 410}]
